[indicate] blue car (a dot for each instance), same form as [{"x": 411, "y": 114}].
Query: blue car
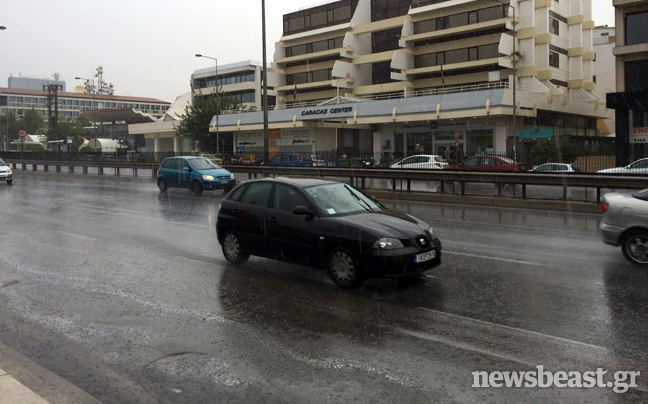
[{"x": 196, "y": 173}]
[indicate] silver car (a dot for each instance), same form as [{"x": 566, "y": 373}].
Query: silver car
[
  {"x": 6, "y": 173},
  {"x": 625, "y": 224}
]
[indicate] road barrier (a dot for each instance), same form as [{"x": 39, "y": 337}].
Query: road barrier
[{"x": 359, "y": 177}]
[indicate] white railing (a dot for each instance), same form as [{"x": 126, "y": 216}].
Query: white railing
[{"x": 387, "y": 96}]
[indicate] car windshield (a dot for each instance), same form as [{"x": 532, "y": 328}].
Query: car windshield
[
  {"x": 2, "y": 162},
  {"x": 202, "y": 164},
  {"x": 507, "y": 160},
  {"x": 340, "y": 199}
]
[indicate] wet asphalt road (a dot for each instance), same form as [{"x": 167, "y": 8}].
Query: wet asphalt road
[{"x": 124, "y": 292}]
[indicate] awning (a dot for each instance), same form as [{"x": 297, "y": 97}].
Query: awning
[{"x": 628, "y": 100}]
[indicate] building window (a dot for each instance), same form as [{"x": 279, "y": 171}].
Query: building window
[
  {"x": 318, "y": 17},
  {"x": 319, "y": 46},
  {"x": 472, "y": 54},
  {"x": 554, "y": 26},
  {"x": 636, "y": 28},
  {"x": 554, "y": 59},
  {"x": 457, "y": 56},
  {"x": 489, "y": 51},
  {"x": 594, "y": 78},
  {"x": 636, "y": 78}
]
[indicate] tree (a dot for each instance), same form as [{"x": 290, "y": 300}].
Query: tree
[
  {"x": 12, "y": 123},
  {"x": 197, "y": 117},
  {"x": 32, "y": 121},
  {"x": 75, "y": 128}
]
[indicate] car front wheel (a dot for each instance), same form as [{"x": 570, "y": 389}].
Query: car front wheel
[
  {"x": 233, "y": 249},
  {"x": 343, "y": 269},
  {"x": 635, "y": 247},
  {"x": 162, "y": 185},
  {"x": 9, "y": 182},
  {"x": 196, "y": 188}
]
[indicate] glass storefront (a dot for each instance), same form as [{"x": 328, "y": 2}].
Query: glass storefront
[{"x": 442, "y": 142}]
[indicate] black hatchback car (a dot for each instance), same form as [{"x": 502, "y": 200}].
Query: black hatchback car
[{"x": 324, "y": 224}]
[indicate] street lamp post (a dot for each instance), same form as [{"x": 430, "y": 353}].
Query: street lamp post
[
  {"x": 218, "y": 105},
  {"x": 515, "y": 134},
  {"x": 266, "y": 147},
  {"x": 6, "y": 141}
]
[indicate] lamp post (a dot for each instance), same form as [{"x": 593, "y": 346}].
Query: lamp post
[
  {"x": 198, "y": 55},
  {"x": 515, "y": 134},
  {"x": 6, "y": 141},
  {"x": 266, "y": 147},
  {"x": 94, "y": 93}
]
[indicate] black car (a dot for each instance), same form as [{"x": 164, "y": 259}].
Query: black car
[{"x": 325, "y": 224}]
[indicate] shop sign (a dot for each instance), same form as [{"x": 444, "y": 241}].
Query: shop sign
[
  {"x": 639, "y": 135},
  {"x": 314, "y": 113},
  {"x": 250, "y": 139},
  {"x": 295, "y": 137},
  {"x": 536, "y": 134}
]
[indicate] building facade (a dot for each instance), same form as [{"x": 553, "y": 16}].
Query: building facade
[
  {"x": 604, "y": 69},
  {"x": 18, "y": 101},
  {"x": 402, "y": 77},
  {"x": 631, "y": 98},
  {"x": 240, "y": 82}
]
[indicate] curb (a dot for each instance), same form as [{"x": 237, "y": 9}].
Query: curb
[
  {"x": 487, "y": 201},
  {"x": 50, "y": 387}
]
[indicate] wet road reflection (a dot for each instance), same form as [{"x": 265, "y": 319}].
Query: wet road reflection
[{"x": 124, "y": 291}]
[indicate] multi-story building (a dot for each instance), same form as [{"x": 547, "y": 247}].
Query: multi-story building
[
  {"x": 400, "y": 77},
  {"x": 238, "y": 81},
  {"x": 631, "y": 99},
  {"x": 31, "y": 83},
  {"x": 604, "y": 70},
  {"x": 18, "y": 101}
]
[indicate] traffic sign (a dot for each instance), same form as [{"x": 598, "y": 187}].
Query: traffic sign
[
  {"x": 240, "y": 149},
  {"x": 22, "y": 133}
]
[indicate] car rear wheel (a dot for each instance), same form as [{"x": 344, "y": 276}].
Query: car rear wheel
[
  {"x": 635, "y": 247},
  {"x": 343, "y": 269},
  {"x": 162, "y": 185},
  {"x": 196, "y": 188},
  {"x": 232, "y": 249}
]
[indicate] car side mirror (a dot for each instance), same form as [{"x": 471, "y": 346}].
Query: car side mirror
[
  {"x": 186, "y": 169},
  {"x": 303, "y": 211}
]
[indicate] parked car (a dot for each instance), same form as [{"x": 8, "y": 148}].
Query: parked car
[
  {"x": 324, "y": 224},
  {"x": 6, "y": 173},
  {"x": 488, "y": 163},
  {"x": 291, "y": 160},
  {"x": 556, "y": 168},
  {"x": 625, "y": 224},
  {"x": 195, "y": 173},
  {"x": 421, "y": 162},
  {"x": 213, "y": 158},
  {"x": 639, "y": 167}
]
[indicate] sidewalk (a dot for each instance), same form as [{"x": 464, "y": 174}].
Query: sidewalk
[{"x": 12, "y": 392}]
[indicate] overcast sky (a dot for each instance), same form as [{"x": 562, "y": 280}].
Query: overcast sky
[{"x": 147, "y": 47}]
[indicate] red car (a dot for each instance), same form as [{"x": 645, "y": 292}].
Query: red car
[{"x": 488, "y": 163}]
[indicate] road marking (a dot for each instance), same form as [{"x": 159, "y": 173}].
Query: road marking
[
  {"x": 74, "y": 235},
  {"x": 535, "y": 264},
  {"x": 103, "y": 208},
  {"x": 514, "y": 329}
]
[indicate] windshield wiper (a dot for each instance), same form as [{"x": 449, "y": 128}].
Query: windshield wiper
[{"x": 364, "y": 203}]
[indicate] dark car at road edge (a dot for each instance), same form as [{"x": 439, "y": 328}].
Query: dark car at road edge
[{"x": 324, "y": 224}]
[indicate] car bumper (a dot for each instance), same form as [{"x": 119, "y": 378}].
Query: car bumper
[
  {"x": 212, "y": 185},
  {"x": 6, "y": 177},
  {"x": 397, "y": 263},
  {"x": 611, "y": 234}
]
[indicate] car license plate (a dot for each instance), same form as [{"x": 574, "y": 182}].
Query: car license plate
[{"x": 428, "y": 256}]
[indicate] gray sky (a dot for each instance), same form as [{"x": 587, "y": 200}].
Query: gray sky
[{"x": 147, "y": 47}]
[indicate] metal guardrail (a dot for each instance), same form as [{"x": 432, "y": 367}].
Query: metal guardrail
[{"x": 358, "y": 177}]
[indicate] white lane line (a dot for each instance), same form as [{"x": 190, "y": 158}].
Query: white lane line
[
  {"x": 103, "y": 208},
  {"x": 514, "y": 329},
  {"x": 74, "y": 235},
  {"x": 535, "y": 264}
]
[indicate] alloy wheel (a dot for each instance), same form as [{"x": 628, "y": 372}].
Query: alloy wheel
[{"x": 637, "y": 248}]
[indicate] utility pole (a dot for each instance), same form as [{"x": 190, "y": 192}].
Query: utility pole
[
  {"x": 266, "y": 147},
  {"x": 52, "y": 109}
]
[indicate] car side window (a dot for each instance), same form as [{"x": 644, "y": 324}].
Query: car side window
[
  {"x": 423, "y": 159},
  {"x": 236, "y": 195},
  {"x": 473, "y": 162},
  {"x": 287, "y": 198},
  {"x": 168, "y": 163},
  {"x": 409, "y": 160},
  {"x": 257, "y": 194},
  {"x": 180, "y": 164},
  {"x": 640, "y": 164}
]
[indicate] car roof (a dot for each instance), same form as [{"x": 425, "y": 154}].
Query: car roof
[{"x": 298, "y": 182}]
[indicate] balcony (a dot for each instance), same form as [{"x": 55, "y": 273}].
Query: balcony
[{"x": 470, "y": 28}]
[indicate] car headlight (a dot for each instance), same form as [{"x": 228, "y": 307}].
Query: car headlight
[
  {"x": 432, "y": 232},
  {"x": 232, "y": 176},
  {"x": 208, "y": 177},
  {"x": 10, "y": 172},
  {"x": 386, "y": 243}
]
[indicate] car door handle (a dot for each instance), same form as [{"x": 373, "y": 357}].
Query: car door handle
[{"x": 272, "y": 219}]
